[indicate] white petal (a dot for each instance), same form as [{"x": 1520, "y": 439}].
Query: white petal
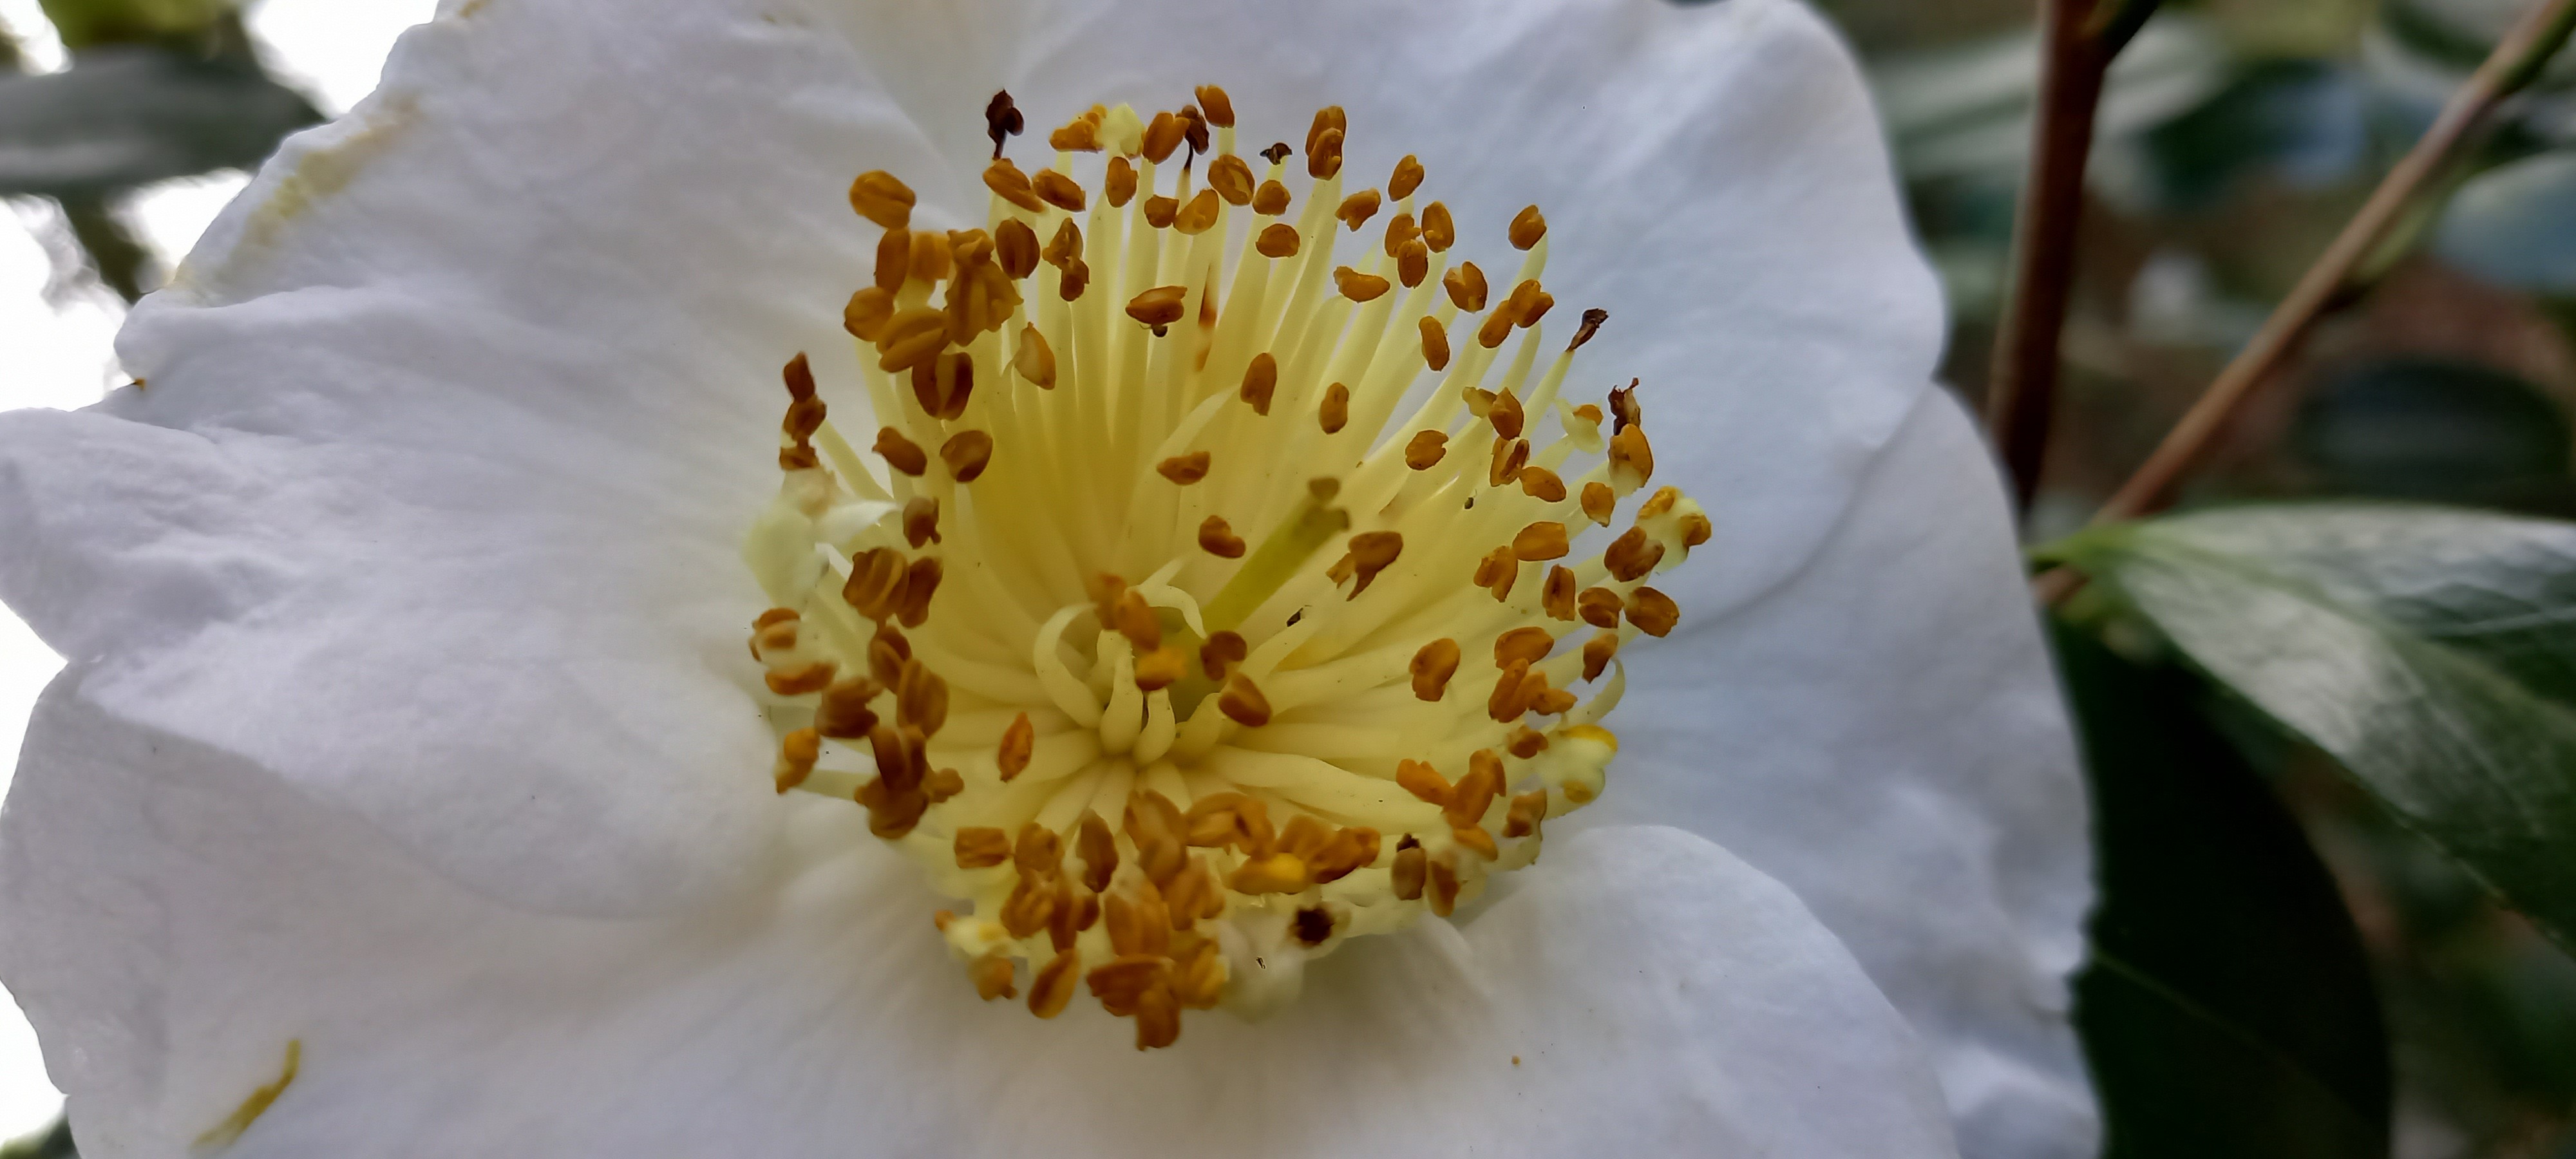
[
  {"x": 1883, "y": 734},
  {"x": 173, "y": 918}
]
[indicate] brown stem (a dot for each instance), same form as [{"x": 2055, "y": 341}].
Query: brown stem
[
  {"x": 2078, "y": 39},
  {"x": 2516, "y": 59}
]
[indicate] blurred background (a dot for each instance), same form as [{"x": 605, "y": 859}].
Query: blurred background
[{"x": 2236, "y": 137}]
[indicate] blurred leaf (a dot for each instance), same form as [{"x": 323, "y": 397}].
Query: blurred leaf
[
  {"x": 1965, "y": 110},
  {"x": 2515, "y": 225},
  {"x": 128, "y": 116},
  {"x": 2430, "y": 651},
  {"x": 2228, "y": 1010},
  {"x": 2435, "y": 429},
  {"x": 2305, "y": 121},
  {"x": 54, "y": 1142},
  {"x": 84, "y": 23}
]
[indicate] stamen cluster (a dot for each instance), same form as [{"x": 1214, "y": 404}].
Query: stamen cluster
[{"x": 1337, "y": 692}]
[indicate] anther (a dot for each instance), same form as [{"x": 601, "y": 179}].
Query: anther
[
  {"x": 901, "y": 453},
  {"x": 1053, "y": 985},
  {"x": 1158, "y": 307},
  {"x": 1219, "y": 540},
  {"x": 1184, "y": 469},
  {"x": 1527, "y": 811},
  {"x": 1443, "y": 887},
  {"x": 943, "y": 384},
  {"x": 1506, "y": 415},
  {"x": 912, "y": 337},
  {"x": 1624, "y": 411},
  {"x": 1466, "y": 286},
  {"x": 1058, "y": 190},
  {"x": 880, "y": 198},
  {"x": 1195, "y": 217},
  {"x": 1407, "y": 178},
  {"x": 931, "y": 256},
  {"x": 1399, "y": 230},
  {"x": 843, "y": 713},
  {"x": 921, "y": 701},
  {"x": 1357, "y": 286},
  {"x": 1098, "y": 850},
  {"x": 1556, "y": 598},
  {"x": 1432, "y": 667},
  {"x": 1497, "y": 572},
  {"x": 1133, "y": 618},
  {"x": 1221, "y": 653},
  {"x": 1194, "y": 132},
  {"x": 1215, "y": 105},
  {"x": 875, "y": 586},
  {"x": 1371, "y": 553},
  {"x": 1439, "y": 230},
  {"x": 1528, "y": 226},
  {"x": 1019, "y": 742},
  {"x": 1259, "y": 381},
  {"x": 1231, "y": 178},
  {"x": 1119, "y": 185},
  {"x": 1079, "y": 135},
  {"x": 1008, "y": 183},
  {"x": 1277, "y": 152},
  {"x": 1065, "y": 246},
  {"x": 1412, "y": 264},
  {"x": 1034, "y": 359},
  {"x": 894, "y": 260},
  {"x": 1162, "y": 136},
  {"x": 1475, "y": 837},
  {"x": 1526, "y": 644},
  {"x": 967, "y": 453},
  {"x": 1511, "y": 457},
  {"x": 1529, "y": 303},
  {"x": 981, "y": 847},
  {"x": 1653, "y": 612},
  {"x": 1497, "y": 326},
  {"x": 1632, "y": 461},
  {"x": 1599, "y": 607},
  {"x": 1277, "y": 240},
  {"x": 1357, "y": 208},
  {"x": 1426, "y": 448},
  {"x": 1592, "y": 320},
  {"x": 1002, "y": 120},
  {"x": 1542, "y": 484},
  {"x": 1599, "y": 502},
  {"x": 797, "y": 753},
  {"x": 1598, "y": 651},
  {"x": 1406, "y": 878},
  {"x": 865, "y": 316},
  {"x": 1335, "y": 411},
  {"x": 1160, "y": 210},
  {"x": 1631, "y": 555},
  {"x": 921, "y": 520},
  {"x": 1243, "y": 703},
  {"x": 992, "y": 976}
]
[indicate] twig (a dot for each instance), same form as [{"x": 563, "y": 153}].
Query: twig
[
  {"x": 2516, "y": 60},
  {"x": 2078, "y": 39}
]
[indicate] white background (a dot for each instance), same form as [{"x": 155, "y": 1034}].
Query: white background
[{"x": 55, "y": 341}]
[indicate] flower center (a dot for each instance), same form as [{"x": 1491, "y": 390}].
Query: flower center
[{"x": 1186, "y": 634}]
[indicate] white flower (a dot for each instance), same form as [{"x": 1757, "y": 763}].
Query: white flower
[{"x": 409, "y": 791}]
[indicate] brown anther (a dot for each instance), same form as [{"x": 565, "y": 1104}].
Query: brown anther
[
  {"x": 1407, "y": 178},
  {"x": 1475, "y": 792},
  {"x": 1218, "y": 539},
  {"x": 875, "y": 586},
  {"x": 1511, "y": 457},
  {"x": 1157, "y": 827},
  {"x": 1098, "y": 850},
  {"x": 891, "y": 814},
  {"x": 943, "y": 784},
  {"x": 798, "y": 458},
  {"x": 894, "y": 260},
  {"x": 1193, "y": 894},
  {"x": 1002, "y": 120},
  {"x": 1076, "y": 276},
  {"x": 981, "y": 847},
  {"x": 1525, "y": 742},
  {"x": 943, "y": 384},
  {"x": 1276, "y": 873},
  {"x": 1431, "y": 668},
  {"x": 1031, "y": 904},
  {"x": 1351, "y": 849},
  {"x": 1466, "y": 286},
  {"x": 921, "y": 700},
  {"x": 865, "y": 317},
  {"x": 797, "y": 752},
  {"x": 1653, "y": 612},
  {"x": 1132, "y": 617},
  {"x": 1055, "y": 189},
  {"x": 1079, "y": 135},
  {"x": 1161, "y": 668},
  {"x": 1424, "y": 782},
  {"x": 1335, "y": 411},
  {"x": 1019, "y": 741},
  {"x": 1270, "y": 200},
  {"x": 1509, "y": 699},
  {"x": 1184, "y": 469},
  {"x": 1194, "y": 133},
  {"x": 1506, "y": 415},
  {"x": 1160, "y": 210},
  {"x": 1498, "y": 571},
  {"x": 1600, "y": 502},
  {"x": 1632, "y": 555},
  {"x": 901, "y": 453},
  {"x": 1357, "y": 286},
  {"x": 843, "y": 713},
  {"x": 1121, "y": 983},
  {"x": 1624, "y": 411},
  {"x": 1231, "y": 179},
  {"x": 1119, "y": 185},
  {"x": 912, "y": 337},
  {"x": 880, "y": 198},
  {"x": 1221, "y": 653},
  {"x": 1406, "y": 878},
  {"x": 1259, "y": 381},
  {"x": 967, "y": 453},
  {"x": 1439, "y": 230},
  {"x": 1696, "y": 529},
  {"x": 1600, "y": 607},
  {"x": 1497, "y": 326},
  {"x": 1443, "y": 887},
  {"x": 1160, "y": 306},
  {"x": 1544, "y": 539},
  {"x": 1034, "y": 359},
  {"x": 1243, "y": 703},
  {"x": 1530, "y": 303},
  {"x": 1478, "y": 400},
  {"x": 1399, "y": 230},
  {"x": 1356, "y": 209},
  {"x": 1329, "y": 117},
  {"x": 887, "y": 651},
  {"x": 1304, "y": 836},
  {"x": 921, "y": 520},
  {"x": 1592, "y": 320},
  {"x": 1277, "y": 240},
  {"x": 1038, "y": 851},
  {"x": 1528, "y": 226},
  {"x": 1527, "y": 811},
  {"x": 1215, "y": 105},
  {"x": 1105, "y": 590},
  {"x": 1008, "y": 183},
  {"x": 1426, "y": 448},
  {"x": 1527, "y": 644},
  {"x": 1065, "y": 246},
  {"x": 932, "y": 256},
  {"x": 1476, "y": 838},
  {"x": 1598, "y": 650},
  {"x": 969, "y": 247},
  {"x": 1195, "y": 217},
  {"x": 1412, "y": 264},
  {"x": 1163, "y": 135},
  {"x": 992, "y": 974},
  {"x": 1052, "y": 987},
  {"x": 1663, "y": 500},
  {"x": 1371, "y": 553},
  {"x": 1632, "y": 461},
  {"x": 1556, "y": 598}
]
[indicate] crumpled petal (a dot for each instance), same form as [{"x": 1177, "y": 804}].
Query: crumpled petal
[
  {"x": 1883, "y": 733},
  {"x": 477, "y": 384},
  {"x": 1648, "y": 995}
]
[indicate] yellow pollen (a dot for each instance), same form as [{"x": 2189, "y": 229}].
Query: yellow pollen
[{"x": 1137, "y": 622}]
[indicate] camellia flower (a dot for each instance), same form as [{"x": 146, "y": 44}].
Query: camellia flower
[{"x": 1191, "y": 572}]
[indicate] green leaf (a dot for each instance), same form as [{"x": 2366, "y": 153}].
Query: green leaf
[
  {"x": 2515, "y": 225},
  {"x": 131, "y": 115},
  {"x": 83, "y": 23},
  {"x": 2227, "y": 1010},
  {"x": 2430, "y": 651}
]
